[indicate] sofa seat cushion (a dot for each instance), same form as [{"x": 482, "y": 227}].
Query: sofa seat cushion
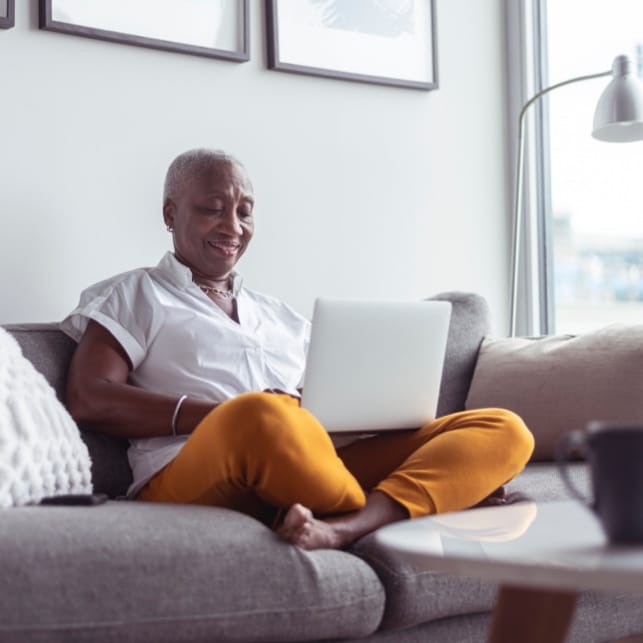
[
  {"x": 560, "y": 383},
  {"x": 417, "y": 596},
  {"x": 542, "y": 482},
  {"x": 128, "y": 571}
]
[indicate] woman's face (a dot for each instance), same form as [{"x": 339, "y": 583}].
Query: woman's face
[{"x": 212, "y": 220}]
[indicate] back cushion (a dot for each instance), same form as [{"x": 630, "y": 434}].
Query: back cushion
[
  {"x": 469, "y": 325},
  {"x": 561, "y": 383}
]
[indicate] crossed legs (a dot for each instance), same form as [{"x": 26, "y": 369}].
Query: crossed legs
[
  {"x": 261, "y": 453},
  {"x": 449, "y": 464}
]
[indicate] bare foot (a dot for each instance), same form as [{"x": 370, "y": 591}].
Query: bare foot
[{"x": 301, "y": 528}]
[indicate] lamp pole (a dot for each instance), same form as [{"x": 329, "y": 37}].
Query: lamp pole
[{"x": 518, "y": 218}]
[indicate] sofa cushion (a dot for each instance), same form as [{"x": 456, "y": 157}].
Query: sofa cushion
[
  {"x": 50, "y": 351},
  {"x": 469, "y": 325},
  {"x": 111, "y": 473},
  {"x": 560, "y": 383},
  {"x": 134, "y": 572},
  {"x": 428, "y": 606},
  {"x": 416, "y": 596},
  {"x": 542, "y": 482},
  {"x": 599, "y": 617}
]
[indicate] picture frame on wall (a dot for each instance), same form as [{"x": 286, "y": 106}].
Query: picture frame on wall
[
  {"x": 7, "y": 14},
  {"x": 211, "y": 28},
  {"x": 387, "y": 42}
]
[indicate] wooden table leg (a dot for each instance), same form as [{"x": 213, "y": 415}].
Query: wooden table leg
[{"x": 531, "y": 615}]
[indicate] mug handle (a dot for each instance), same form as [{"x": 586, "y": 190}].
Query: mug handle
[{"x": 574, "y": 440}]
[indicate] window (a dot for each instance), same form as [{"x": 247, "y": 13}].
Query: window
[{"x": 592, "y": 194}]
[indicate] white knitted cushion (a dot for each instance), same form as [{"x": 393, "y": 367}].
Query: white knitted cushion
[{"x": 41, "y": 451}]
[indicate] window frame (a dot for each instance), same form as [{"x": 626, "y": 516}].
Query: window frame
[{"x": 526, "y": 22}]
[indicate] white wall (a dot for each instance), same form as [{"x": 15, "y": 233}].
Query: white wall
[{"x": 362, "y": 190}]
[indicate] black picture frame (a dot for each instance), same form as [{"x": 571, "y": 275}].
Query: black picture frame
[
  {"x": 293, "y": 43},
  {"x": 49, "y": 19},
  {"x": 7, "y": 20}
]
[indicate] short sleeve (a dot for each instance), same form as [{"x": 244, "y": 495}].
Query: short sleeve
[{"x": 119, "y": 305}]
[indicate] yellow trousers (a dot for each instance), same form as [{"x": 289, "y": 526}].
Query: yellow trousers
[{"x": 260, "y": 453}]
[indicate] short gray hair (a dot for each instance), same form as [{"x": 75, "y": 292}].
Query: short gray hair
[{"x": 190, "y": 164}]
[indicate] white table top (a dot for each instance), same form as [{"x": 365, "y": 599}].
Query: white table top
[{"x": 549, "y": 545}]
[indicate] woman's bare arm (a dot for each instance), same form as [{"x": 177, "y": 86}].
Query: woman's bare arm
[{"x": 99, "y": 396}]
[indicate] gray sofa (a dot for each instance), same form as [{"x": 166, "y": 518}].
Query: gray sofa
[{"x": 135, "y": 572}]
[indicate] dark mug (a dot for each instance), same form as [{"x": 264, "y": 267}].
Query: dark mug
[{"x": 615, "y": 455}]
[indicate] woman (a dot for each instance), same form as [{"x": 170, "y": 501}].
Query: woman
[{"x": 201, "y": 374}]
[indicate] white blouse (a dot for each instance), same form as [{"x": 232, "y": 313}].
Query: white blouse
[{"x": 180, "y": 342}]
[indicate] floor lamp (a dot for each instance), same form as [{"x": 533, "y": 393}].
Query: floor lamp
[{"x": 618, "y": 119}]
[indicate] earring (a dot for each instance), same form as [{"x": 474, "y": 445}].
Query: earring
[{"x": 169, "y": 228}]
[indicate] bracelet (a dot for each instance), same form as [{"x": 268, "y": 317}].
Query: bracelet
[{"x": 175, "y": 415}]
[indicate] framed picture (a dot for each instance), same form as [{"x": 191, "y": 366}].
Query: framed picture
[
  {"x": 7, "y": 8},
  {"x": 388, "y": 42},
  {"x": 212, "y": 28}
]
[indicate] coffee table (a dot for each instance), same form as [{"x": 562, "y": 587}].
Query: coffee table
[{"x": 541, "y": 554}]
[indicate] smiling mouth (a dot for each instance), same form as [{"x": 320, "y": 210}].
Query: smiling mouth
[{"x": 229, "y": 248}]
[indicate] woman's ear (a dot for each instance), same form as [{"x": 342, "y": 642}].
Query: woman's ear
[{"x": 168, "y": 213}]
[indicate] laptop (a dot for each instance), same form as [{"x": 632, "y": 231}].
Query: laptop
[{"x": 375, "y": 366}]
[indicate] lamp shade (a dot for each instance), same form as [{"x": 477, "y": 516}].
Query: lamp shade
[{"x": 619, "y": 113}]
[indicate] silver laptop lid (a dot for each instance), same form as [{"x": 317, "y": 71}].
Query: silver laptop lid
[{"x": 375, "y": 366}]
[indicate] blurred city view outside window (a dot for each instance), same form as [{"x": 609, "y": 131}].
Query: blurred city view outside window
[{"x": 596, "y": 226}]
